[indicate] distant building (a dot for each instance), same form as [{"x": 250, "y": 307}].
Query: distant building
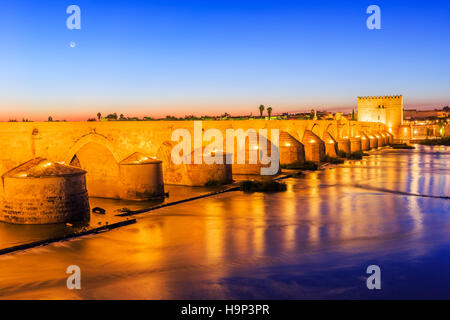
[
  {"x": 384, "y": 109},
  {"x": 414, "y": 114}
]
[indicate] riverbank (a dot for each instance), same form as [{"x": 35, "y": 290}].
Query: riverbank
[{"x": 444, "y": 141}]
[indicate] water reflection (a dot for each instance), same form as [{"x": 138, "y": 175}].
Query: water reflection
[{"x": 312, "y": 241}]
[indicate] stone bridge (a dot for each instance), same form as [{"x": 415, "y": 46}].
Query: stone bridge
[{"x": 99, "y": 147}]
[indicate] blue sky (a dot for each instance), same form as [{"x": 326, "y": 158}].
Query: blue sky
[{"x": 196, "y": 57}]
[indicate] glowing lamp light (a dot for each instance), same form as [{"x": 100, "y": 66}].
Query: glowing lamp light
[
  {"x": 363, "y": 138},
  {"x": 255, "y": 147},
  {"x": 47, "y": 164},
  {"x": 330, "y": 141},
  {"x": 312, "y": 141},
  {"x": 287, "y": 144},
  {"x": 22, "y": 175}
]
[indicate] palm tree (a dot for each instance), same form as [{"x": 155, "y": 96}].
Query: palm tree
[
  {"x": 269, "y": 111},
  {"x": 261, "y": 110},
  {"x": 99, "y": 116}
]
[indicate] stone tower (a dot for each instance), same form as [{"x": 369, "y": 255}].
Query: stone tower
[{"x": 384, "y": 109}]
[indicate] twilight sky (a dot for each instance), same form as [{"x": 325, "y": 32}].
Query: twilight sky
[{"x": 212, "y": 56}]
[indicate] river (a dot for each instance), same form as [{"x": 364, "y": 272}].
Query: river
[{"x": 314, "y": 241}]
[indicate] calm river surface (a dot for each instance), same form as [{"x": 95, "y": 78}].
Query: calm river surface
[{"x": 313, "y": 241}]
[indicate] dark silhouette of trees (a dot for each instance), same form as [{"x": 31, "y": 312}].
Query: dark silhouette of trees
[
  {"x": 269, "y": 111},
  {"x": 112, "y": 116},
  {"x": 261, "y": 110},
  {"x": 99, "y": 116}
]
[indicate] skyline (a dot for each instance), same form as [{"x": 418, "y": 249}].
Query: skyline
[{"x": 197, "y": 57}]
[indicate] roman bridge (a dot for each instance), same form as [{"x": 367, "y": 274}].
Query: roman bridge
[{"x": 100, "y": 147}]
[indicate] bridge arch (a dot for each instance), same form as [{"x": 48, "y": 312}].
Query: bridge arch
[
  {"x": 331, "y": 128},
  {"x": 91, "y": 138},
  {"x": 315, "y": 128},
  {"x": 95, "y": 154}
]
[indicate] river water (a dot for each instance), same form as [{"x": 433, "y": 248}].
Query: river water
[{"x": 313, "y": 241}]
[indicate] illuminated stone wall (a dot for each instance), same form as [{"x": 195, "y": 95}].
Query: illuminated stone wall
[
  {"x": 100, "y": 146},
  {"x": 384, "y": 109}
]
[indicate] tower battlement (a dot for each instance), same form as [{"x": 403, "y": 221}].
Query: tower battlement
[{"x": 398, "y": 97}]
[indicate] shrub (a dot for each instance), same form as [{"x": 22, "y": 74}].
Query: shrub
[
  {"x": 402, "y": 146},
  {"x": 357, "y": 155},
  {"x": 342, "y": 154},
  {"x": 333, "y": 160},
  {"x": 262, "y": 186},
  {"x": 301, "y": 165}
]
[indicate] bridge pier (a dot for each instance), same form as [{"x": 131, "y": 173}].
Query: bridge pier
[
  {"x": 44, "y": 192},
  {"x": 330, "y": 145},
  {"x": 344, "y": 145},
  {"x": 141, "y": 178},
  {"x": 389, "y": 137},
  {"x": 203, "y": 174},
  {"x": 379, "y": 138},
  {"x": 373, "y": 141},
  {"x": 290, "y": 149},
  {"x": 314, "y": 147},
  {"x": 355, "y": 144},
  {"x": 365, "y": 143}
]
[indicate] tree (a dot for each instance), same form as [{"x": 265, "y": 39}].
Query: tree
[
  {"x": 50, "y": 119},
  {"x": 99, "y": 116},
  {"x": 353, "y": 114},
  {"x": 112, "y": 116},
  {"x": 121, "y": 117},
  {"x": 261, "y": 110},
  {"x": 269, "y": 111}
]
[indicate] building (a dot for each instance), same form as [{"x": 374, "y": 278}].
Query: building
[
  {"x": 414, "y": 114},
  {"x": 384, "y": 109}
]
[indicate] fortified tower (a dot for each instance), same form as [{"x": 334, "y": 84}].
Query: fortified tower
[{"x": 384, "y": 109}]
